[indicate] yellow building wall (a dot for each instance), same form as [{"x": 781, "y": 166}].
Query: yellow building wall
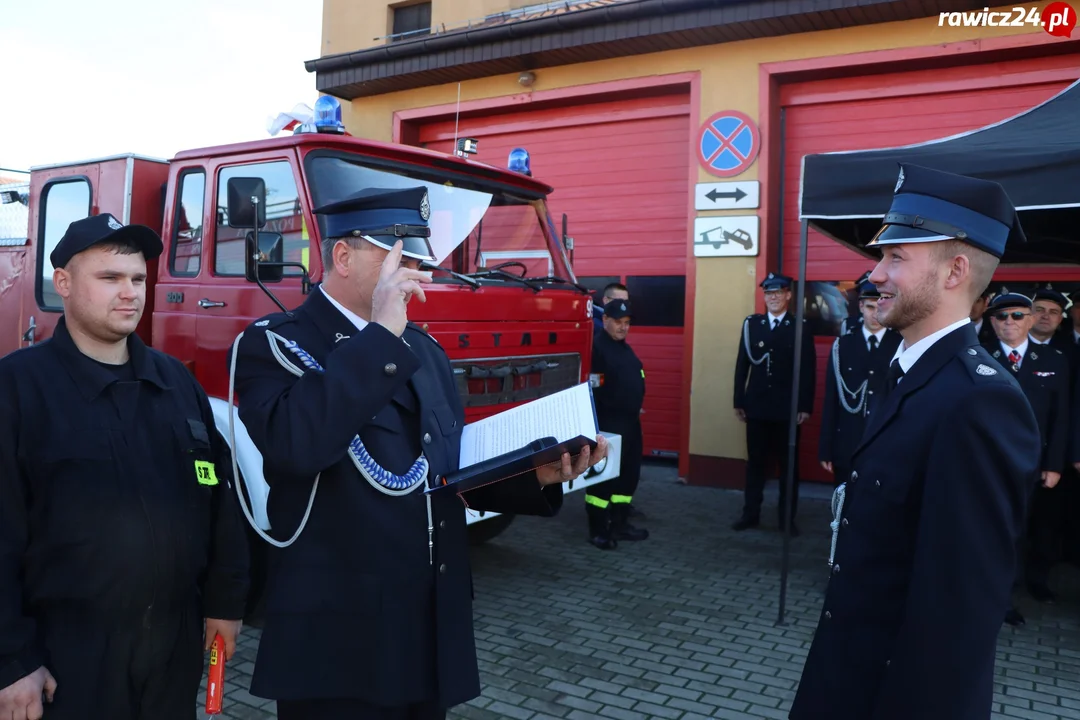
[{"x": 726, "y": 288}]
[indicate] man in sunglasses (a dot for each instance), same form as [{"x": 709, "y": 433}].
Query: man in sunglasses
[
  {"x": 1043, "y": 374},
  {"x": 925, "y": 535}
]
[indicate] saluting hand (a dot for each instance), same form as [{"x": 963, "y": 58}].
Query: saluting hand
[
  {"x": 566, "y": 471},
  {"x": 397, "y": 285}
]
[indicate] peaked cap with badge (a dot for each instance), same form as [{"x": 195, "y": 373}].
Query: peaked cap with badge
[
  {"x": 775, "y": 281},
  {"x": 83, "y": 234},
  {"x": 1007, "y": 299},
  {"x": 618, "y": 309},
  {"x": 383, "y": 216},
  {"x": 867, "y": 289},
  {"x": 1047, "y": 292},
  {"x": 932, "y": 205}
]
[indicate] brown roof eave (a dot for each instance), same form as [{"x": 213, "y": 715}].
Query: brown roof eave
[{"x": 612, "y": 31}]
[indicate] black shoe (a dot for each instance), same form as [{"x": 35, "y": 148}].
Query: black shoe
[
  {"x": 629, "y": 532},
  {"x": 1014, "y": 618},
  {"x": 744, "y": 523},
  {"x": 1042, "y": 593},
  {"x": 604, "y": 543},
  {"x": 636, "y": 514}
]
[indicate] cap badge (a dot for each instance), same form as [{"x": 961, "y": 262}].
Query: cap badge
[
  {"x": 899, "y": 181},
  {"x": 1034, "y": 356},
  {"x": 262, "y": 323},
  {"x": 114, "y": 224},
  {"x": 771, "y": 276},
  {"x": 985, "y": 370},
  {"x": 622, "y": 306},
  {"x": 425, "y": 207}
]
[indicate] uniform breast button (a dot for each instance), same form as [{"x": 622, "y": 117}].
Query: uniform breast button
[
  {"x": 442, "y": 524},
  {"x": 844, "y": 522},
  {"x": 427, "y": 438},
  {"x": 828, "y": 615},
  {"x": 442, "y": 569},
  {"x": 854, "y": 476},
  {"x": 836, "y": 568},
  {"x": 389, "y": 368},
  {"x": 878, "y": 483}
]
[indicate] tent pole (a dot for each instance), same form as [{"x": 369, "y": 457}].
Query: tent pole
[{"x": 793, "y": 425}]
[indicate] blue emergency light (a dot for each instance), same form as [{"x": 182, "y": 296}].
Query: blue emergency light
[
  {"x": 328, "y": 115},
  {"x": 519, "y": 161}
]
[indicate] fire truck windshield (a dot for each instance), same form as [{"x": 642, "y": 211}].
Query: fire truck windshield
[{"x": 476, "y": 225}]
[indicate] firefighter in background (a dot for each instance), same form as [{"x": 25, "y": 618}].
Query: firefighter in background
[
  {"x": 122, "y": 549},
  {"x": 612, "y": 291},
  {"x": 1048, "y": 309},
  {"x": 763, "y": 387},
  {"x": 1043, "y": 375},
  {"x": 854, "y": 322},
  {"x": 619, "y": 392},
  {"x": 854, "y": 377},
  {"x": 983, "y": 329}
]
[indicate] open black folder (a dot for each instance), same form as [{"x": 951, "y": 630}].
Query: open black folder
[{"x": 523, "y": 438}]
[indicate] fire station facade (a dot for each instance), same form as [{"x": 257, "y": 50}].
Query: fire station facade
[{"x": 625, "y": 107}]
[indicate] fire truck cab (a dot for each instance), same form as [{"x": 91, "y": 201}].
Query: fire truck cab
[{"x": 505, "y": 304}]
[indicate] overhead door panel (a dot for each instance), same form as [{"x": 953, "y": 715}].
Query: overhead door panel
[{"x": 621, "y": 175}]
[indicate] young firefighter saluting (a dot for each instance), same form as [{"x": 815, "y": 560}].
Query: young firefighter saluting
[
  {"x": 619, "y": 401},
  {"x": 369, "y": 612},
  {"x": 119, "y": 526}
]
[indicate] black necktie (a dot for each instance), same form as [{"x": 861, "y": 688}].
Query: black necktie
[
  {"x": 873, "y": 343},
  {"x": 895, "y": 373},
  {"x": 775, "y": 323}
]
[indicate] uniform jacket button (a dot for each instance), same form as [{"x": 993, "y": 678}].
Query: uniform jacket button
[
  {"x": 442, "y": 569},
  {"x": 844, "y": 522},
  {"x": 427, "y": 438},
  {"x": 389, "y": 368},
  {"x": 854, "y": 476},
  {"x": 828, "y": 615},
  {"x": 442, "y": 524},
  {"x": 836, "y": 568}
]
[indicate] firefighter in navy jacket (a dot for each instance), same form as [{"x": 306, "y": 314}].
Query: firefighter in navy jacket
[
  {"x": 119, "y": 526},
  {"x": 928, "y": 522},
  {"x": 763, "y": 386},
  {"x": 369, "y": 612},
  {"x": 1043, "y": 374},
  {"x": 619, "y": 400},
  {"x": 854, "y": 378}
]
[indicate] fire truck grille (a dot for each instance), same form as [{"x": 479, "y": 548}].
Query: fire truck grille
[{"x": 497, "y": 381}]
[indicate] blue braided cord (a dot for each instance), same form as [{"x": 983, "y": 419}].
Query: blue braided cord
[{"x": 381, "y": 475}]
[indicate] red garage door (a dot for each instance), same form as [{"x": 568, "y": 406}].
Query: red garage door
[
  {"x": 886, "y": 111},
  {"x": 621, "y": 175}
]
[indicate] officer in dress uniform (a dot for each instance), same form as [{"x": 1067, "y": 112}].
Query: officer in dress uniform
[
  {"x": 368, "y": 612},
  {"x": 925, "y": 540},
  {"x": 764, "y": 370},
  {"x": 1043, "y": 374},
  {"x": 854, "y": 378},
  {"x": 619, "y": 397},
  {"x": 855, "y": 321}
]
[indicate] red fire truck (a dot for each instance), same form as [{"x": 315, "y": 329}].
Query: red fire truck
[{"x": 504, "y": 303}]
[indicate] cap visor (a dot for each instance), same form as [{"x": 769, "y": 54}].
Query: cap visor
[
  {"x": 897, "y": 234},
  {"x": 147, "y": 240},
  {"x": 413, "y": 247}
]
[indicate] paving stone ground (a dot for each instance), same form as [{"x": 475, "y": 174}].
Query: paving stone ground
[{"x": 684, "y": 625}]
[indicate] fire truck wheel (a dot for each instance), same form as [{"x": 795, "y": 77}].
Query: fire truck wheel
[{"x": 481, "y": 532}]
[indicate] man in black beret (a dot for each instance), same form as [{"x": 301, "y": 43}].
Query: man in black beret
[{"x": 935, "y": 504}]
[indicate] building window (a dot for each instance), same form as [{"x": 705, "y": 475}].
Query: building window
[
  {"x": 411, "y": 19},
  {"x": 187, "y": 226},
  {"x": 64, "y": 202}
]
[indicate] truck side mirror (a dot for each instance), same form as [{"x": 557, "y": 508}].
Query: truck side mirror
[
  {"x": 247, "y": 202},
  {"x": 264, "y": 258}
]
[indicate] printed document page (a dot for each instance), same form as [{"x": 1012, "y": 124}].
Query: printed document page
[{"x": 563, "y": 415}]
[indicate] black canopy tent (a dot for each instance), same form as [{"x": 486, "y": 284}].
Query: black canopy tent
[{"x": 1035, "y": 156}]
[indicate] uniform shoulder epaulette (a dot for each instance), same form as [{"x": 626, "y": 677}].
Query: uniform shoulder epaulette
[
  {"x": 980, "y": 365},
  {"x": 413, "y": 326},
  {"x": 1058, "y": 351},
  {"x": 273, "y": 320}
]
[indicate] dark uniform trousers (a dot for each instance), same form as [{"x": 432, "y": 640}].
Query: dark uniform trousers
[
  {"x": 925, "y": 546},
  {"x": 841, "y": 429},
  {"x": 1069, "y": 537},
  {"x": 364, "y": 620},
  {"x": 763, "y": 389},
  {"x": 119, "y": 530},
  {"x": 619, "y": 400},
  {"x": 1043, "y": 375}
]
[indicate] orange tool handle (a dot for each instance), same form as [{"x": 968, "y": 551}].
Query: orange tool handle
[{"x": 215, "y": 681}]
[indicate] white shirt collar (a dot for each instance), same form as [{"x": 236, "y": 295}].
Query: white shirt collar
[
  {"x": 774, "y": 318},
  {"x": 356, "y": 320},
  {"x": 1037, "y": 341},
  {"x": 912, "y": 354},
  {"x": 978, "y": 325},
  {"x": 1021, "y": 349},
  {"x": 866, "y": 334}
]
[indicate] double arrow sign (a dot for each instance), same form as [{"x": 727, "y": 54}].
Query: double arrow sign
[{"x": 726, "y": 195}]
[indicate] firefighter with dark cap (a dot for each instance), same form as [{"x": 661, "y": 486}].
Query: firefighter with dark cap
[
  {"x": 854, "y": 379},
  {"x": 1049, "y": 309},
  {"x": 618, "y": 379},
  {"x": 924, "y": 542},
  {"x": 984, "y": 329},
  {"x": 1043, "y": 374},
  {"x": 356, "y": 413},
  {"x": 122, "y": 548},
  {"x": 764, "y": 371}
]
